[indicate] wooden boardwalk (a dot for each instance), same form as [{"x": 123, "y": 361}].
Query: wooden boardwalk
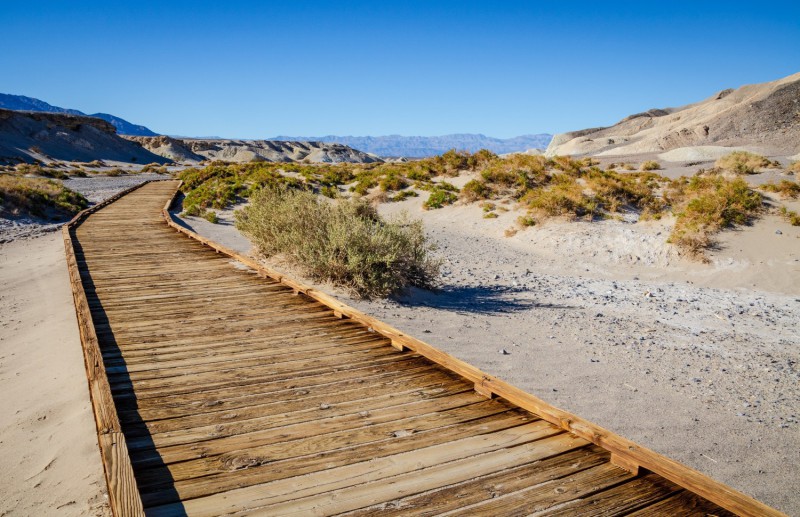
[{"x": 218, "y": 390}]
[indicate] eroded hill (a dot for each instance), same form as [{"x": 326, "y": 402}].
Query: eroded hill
[{"x": 765, "y": 115}]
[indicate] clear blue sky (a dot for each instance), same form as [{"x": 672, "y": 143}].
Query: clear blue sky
[{"x": 259, "y": 69}]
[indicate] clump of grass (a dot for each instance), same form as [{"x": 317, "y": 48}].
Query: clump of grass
[
  {"x": 38, "y": 197},
  {"x": 786, "y": 189},
  {"x": 211, "y": 216},
  {"x": 115, "y": 172},
  {"x": 794, "y": 167},
  {"x": 743, "y": 162},
  {"x": 346, "y": 243},
  {"x": 650, "y": 165},
  {"x": 791, "y": 216},
  {"x": 706, "y": 204}
]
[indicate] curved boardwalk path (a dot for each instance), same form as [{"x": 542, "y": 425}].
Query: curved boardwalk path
[{"x": 236, "y": 396}]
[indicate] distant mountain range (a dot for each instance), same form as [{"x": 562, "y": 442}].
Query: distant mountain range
[
  {"x": 421, "y": 146},
  {"x": 22, "y": 103}
]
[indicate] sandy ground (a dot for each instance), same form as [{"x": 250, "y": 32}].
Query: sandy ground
[
  {"x": 696, "y": 361},
  {"x": 48, "y": 446}
]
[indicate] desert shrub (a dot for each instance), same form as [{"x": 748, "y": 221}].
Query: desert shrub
[
  {"x": 564, "y": 197},
  {"x": 524, "y": 221},
  {"x": 38, "y": 197},
  {"x": 474, "y": 190},
  {"x": 706, "y": 204},
  {"x": 742, "y": 162},
  {"x": 440, "y": 196},
  {"x": 78, "y": 173},
  {"x": 96, "y": 163},
  {"x": 346, "y": 243},
  {"x": 567, "y": 165},
  {"x": 490, "y": 215},
  {"x": 211, "y": 216},
  {"x": 329, "y": 191},
  {"x": 393, "y": 181},
  {"x": 650, "y": 165},
  {"x": 786, "y": 189},
  {"x": 405, "y": 194},
  {"x": 791, "y": 216},
  {"x": 614, "y": 191},
  {"x": 114, "y": 172},
  {"x": 335, "y": 176},
  {"x": 151, "y": 167}
]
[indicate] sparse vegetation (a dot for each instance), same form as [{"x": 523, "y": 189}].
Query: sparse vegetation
[
  {"x": 211, "y": 216},
  {"x": 548, "y": 187},
  {"x": 650, "y": 165},
  {"x": 743, "y": 162},
  {"x": 345, "y": 242},
  {"x": 794, "y": 167},
  {"x": 706, "y": 204},
  {"x": 38, "y": 197},
  {"x": 441, "y": 194},
  {"x": 785, "y": 189},
  {"x": 791, "y": 216}
]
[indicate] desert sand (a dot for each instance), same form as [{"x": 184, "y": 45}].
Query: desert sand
[{"x": 48, "y": 446}]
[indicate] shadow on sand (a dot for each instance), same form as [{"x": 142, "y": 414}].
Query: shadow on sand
[{"x": 476, "y": 299}]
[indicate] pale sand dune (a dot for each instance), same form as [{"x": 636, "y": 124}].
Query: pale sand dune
[{"x": 49, "y": 458}]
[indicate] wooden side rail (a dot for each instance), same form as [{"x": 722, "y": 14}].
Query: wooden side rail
[
  {"x": 624, "y": 452},
  {"x": 123, "y": 494}
]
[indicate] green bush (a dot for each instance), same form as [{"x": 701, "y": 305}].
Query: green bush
[
  {"x": 405, "y": 194},
  {"x": 440, "y": 196},
  {"x": 346, "y": 242}
]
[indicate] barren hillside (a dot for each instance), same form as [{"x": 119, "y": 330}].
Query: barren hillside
[
  {"x": 197, "y": 150},
  {"x": 765, "y": 115},
  {"x": 29, "y": 136}
]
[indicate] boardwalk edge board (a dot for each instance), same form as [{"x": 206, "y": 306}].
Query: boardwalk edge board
[
  {"x": 125, "y": 498},
  {"x": 123, "y": 494}
]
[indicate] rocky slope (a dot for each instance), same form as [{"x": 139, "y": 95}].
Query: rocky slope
[
  {"x": 421, "y": 146},
  {"x": 765, "y": 115},
  {"x": 29, "y": 136},
  {"x": 22, "y": 103},
  {"x": 197, "y": 150}
]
